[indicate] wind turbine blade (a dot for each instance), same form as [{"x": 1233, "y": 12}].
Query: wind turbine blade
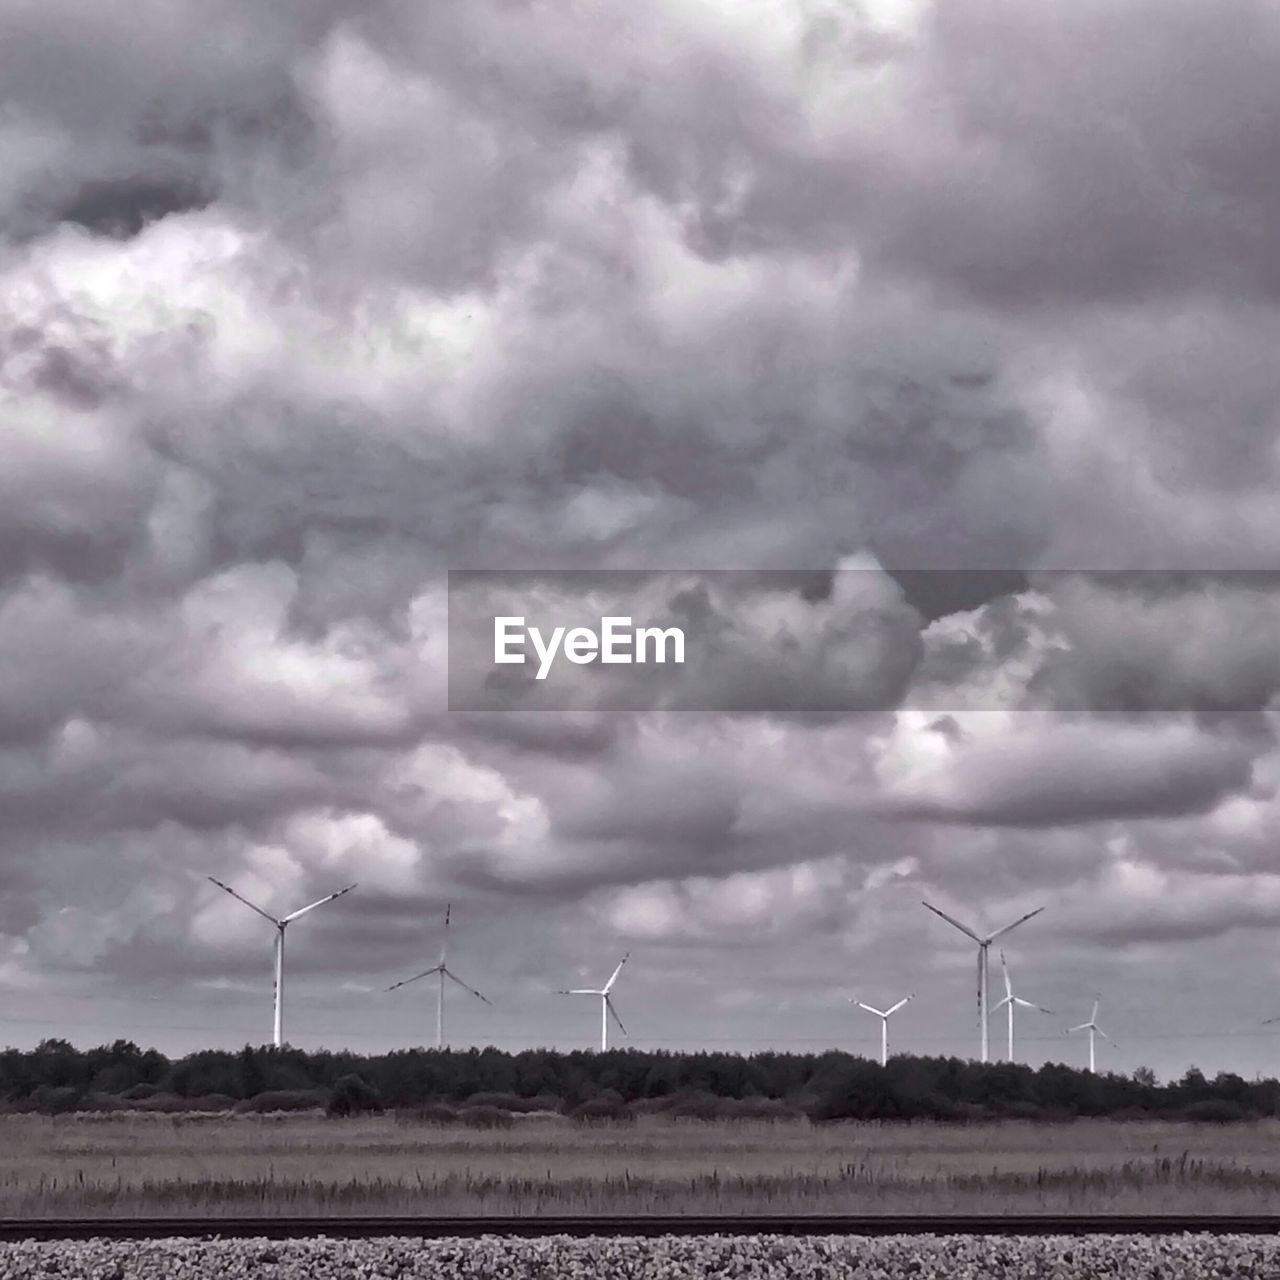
[
  {"x": 444, "y": 937},
  {"x": 302, "y": 911},
  {"x": 1103, "y": 1034},
  {"x": 999, "y": 933},
  {"x": 1005, "y": 1001},
  {"x": 1084, "y": 1026},
  {"x": 453, "y": 977},
  {"x": 1008, "y": 985},
  {"x": 609, "y": 985},
  {"x": 1026, "y": 1004},
  {"x": 426, "y": 973},
  {"x": 964, "y": 928},
  {"x": 894, "y": 1008},
  {"x": 580, "y": 991},
  {"x": 878, "y": 1012},
  {"x": 1093, "y": 1017},
  {"x": 228, "y": 889},
  {"x": 608, "y": 1004}
]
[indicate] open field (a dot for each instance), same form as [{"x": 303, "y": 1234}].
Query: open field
[{"x": 233, "y": 1164}]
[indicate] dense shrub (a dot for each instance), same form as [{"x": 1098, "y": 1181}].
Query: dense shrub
[
  {"x": 284, "y": 1100},
  {"x": 211, "y": 1102},
  {"x": 163, "y": 1101},
  {"x": 1216, "y": 1111},
  {"x": 427, "y": 1113},
  {"x": 696, "y": 1105},
  {"x": 351, "y": 1095},
  {"x": 174, "y": 1104},
  {"x": 937, "y": 1106},
  {"x": 55, "y": 1099},
  {"x": 701, "y": 1105},
  {"x": 861, "y": 1090},
  {"x": 1120, "y": 1113},
  {"x": 648, "y": 1106},
  {"x": 55, "y": 1076},
  {"x": 485, "y": 1118},
  {"x": 759, "y": 1109},
  {"x": 607, "y": 1105},
  {"x": 513, "y": 1102},
  {"x": 1020, "y": 1109},
  {"x": 101, "y": 1102}
]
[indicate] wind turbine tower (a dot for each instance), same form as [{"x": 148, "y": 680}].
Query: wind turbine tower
[
  {"x": 884, "y": 1015},
  {"x": 1010, "y": 1000},
  {"x": 442, "y": 971},
  {"x": 984, "y": 945},
  {"x": 1094, "y": 1030},
  {"x": 281, "y": 924},
  {"x": 606, "y": 1005}
]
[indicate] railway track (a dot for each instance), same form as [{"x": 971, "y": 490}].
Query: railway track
[{"x": 280, "y": 1228}]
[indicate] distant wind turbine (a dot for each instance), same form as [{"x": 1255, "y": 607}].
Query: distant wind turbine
[
  {"x": 1093, "y": 1029},
  {"x": 1010, "y": 1000},
  {"x": 443, "y": 971},
  {"x": 606, "y": 1005},
  {"x": 884, "y": 1015},
  {"x": 983, "y": 945},
  {"x": 281, "y": 924}
]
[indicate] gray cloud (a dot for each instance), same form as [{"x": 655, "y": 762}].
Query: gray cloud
[
  {"x": 1045, "y": 774},
  {"x": 1151, "y": 643},
  {"x": 295, "y": 320}
]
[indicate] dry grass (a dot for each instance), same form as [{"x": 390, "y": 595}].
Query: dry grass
[{"x": 228, "y": 1164}]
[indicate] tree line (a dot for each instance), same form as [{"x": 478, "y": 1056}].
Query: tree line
[{"x": 834, "y": 1085}]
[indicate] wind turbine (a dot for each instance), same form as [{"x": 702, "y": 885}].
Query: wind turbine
[
  {"x": 281, "y": 924},
  {"x": 1093, "y": 1029},
  {"x": 1010, "y": 1000},
  {"x": 983, "y": 945},
  {"x": 606, "y": 1005},
  {"x": 884, "y": 1015},
  {"x": 444, "y": 972}
]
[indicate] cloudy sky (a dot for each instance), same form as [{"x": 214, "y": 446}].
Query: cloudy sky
[{"x": 304, "y": 304}]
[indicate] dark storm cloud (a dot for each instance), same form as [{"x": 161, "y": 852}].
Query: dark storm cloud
[
  {"x": 111, "y": 129},
  {"x": 935, "y": 593},
  {"x": 1108, "y": 154},
  {"x": 1039, "y": 156},
  {"x": 1136, "y": 907},
  {"x": 121, "y": 207},
  {"x": 1048, "y": 774},
  {"x": 1159, "y": 642},
  {"x": 690, "y": 808},
  {"x": 576, "y": 735}
]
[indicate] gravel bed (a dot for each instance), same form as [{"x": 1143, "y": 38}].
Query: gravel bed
[{"x": 1168, "y": 1257}]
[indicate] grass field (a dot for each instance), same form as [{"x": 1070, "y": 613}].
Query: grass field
[{"x": 231, "y": 1164}]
